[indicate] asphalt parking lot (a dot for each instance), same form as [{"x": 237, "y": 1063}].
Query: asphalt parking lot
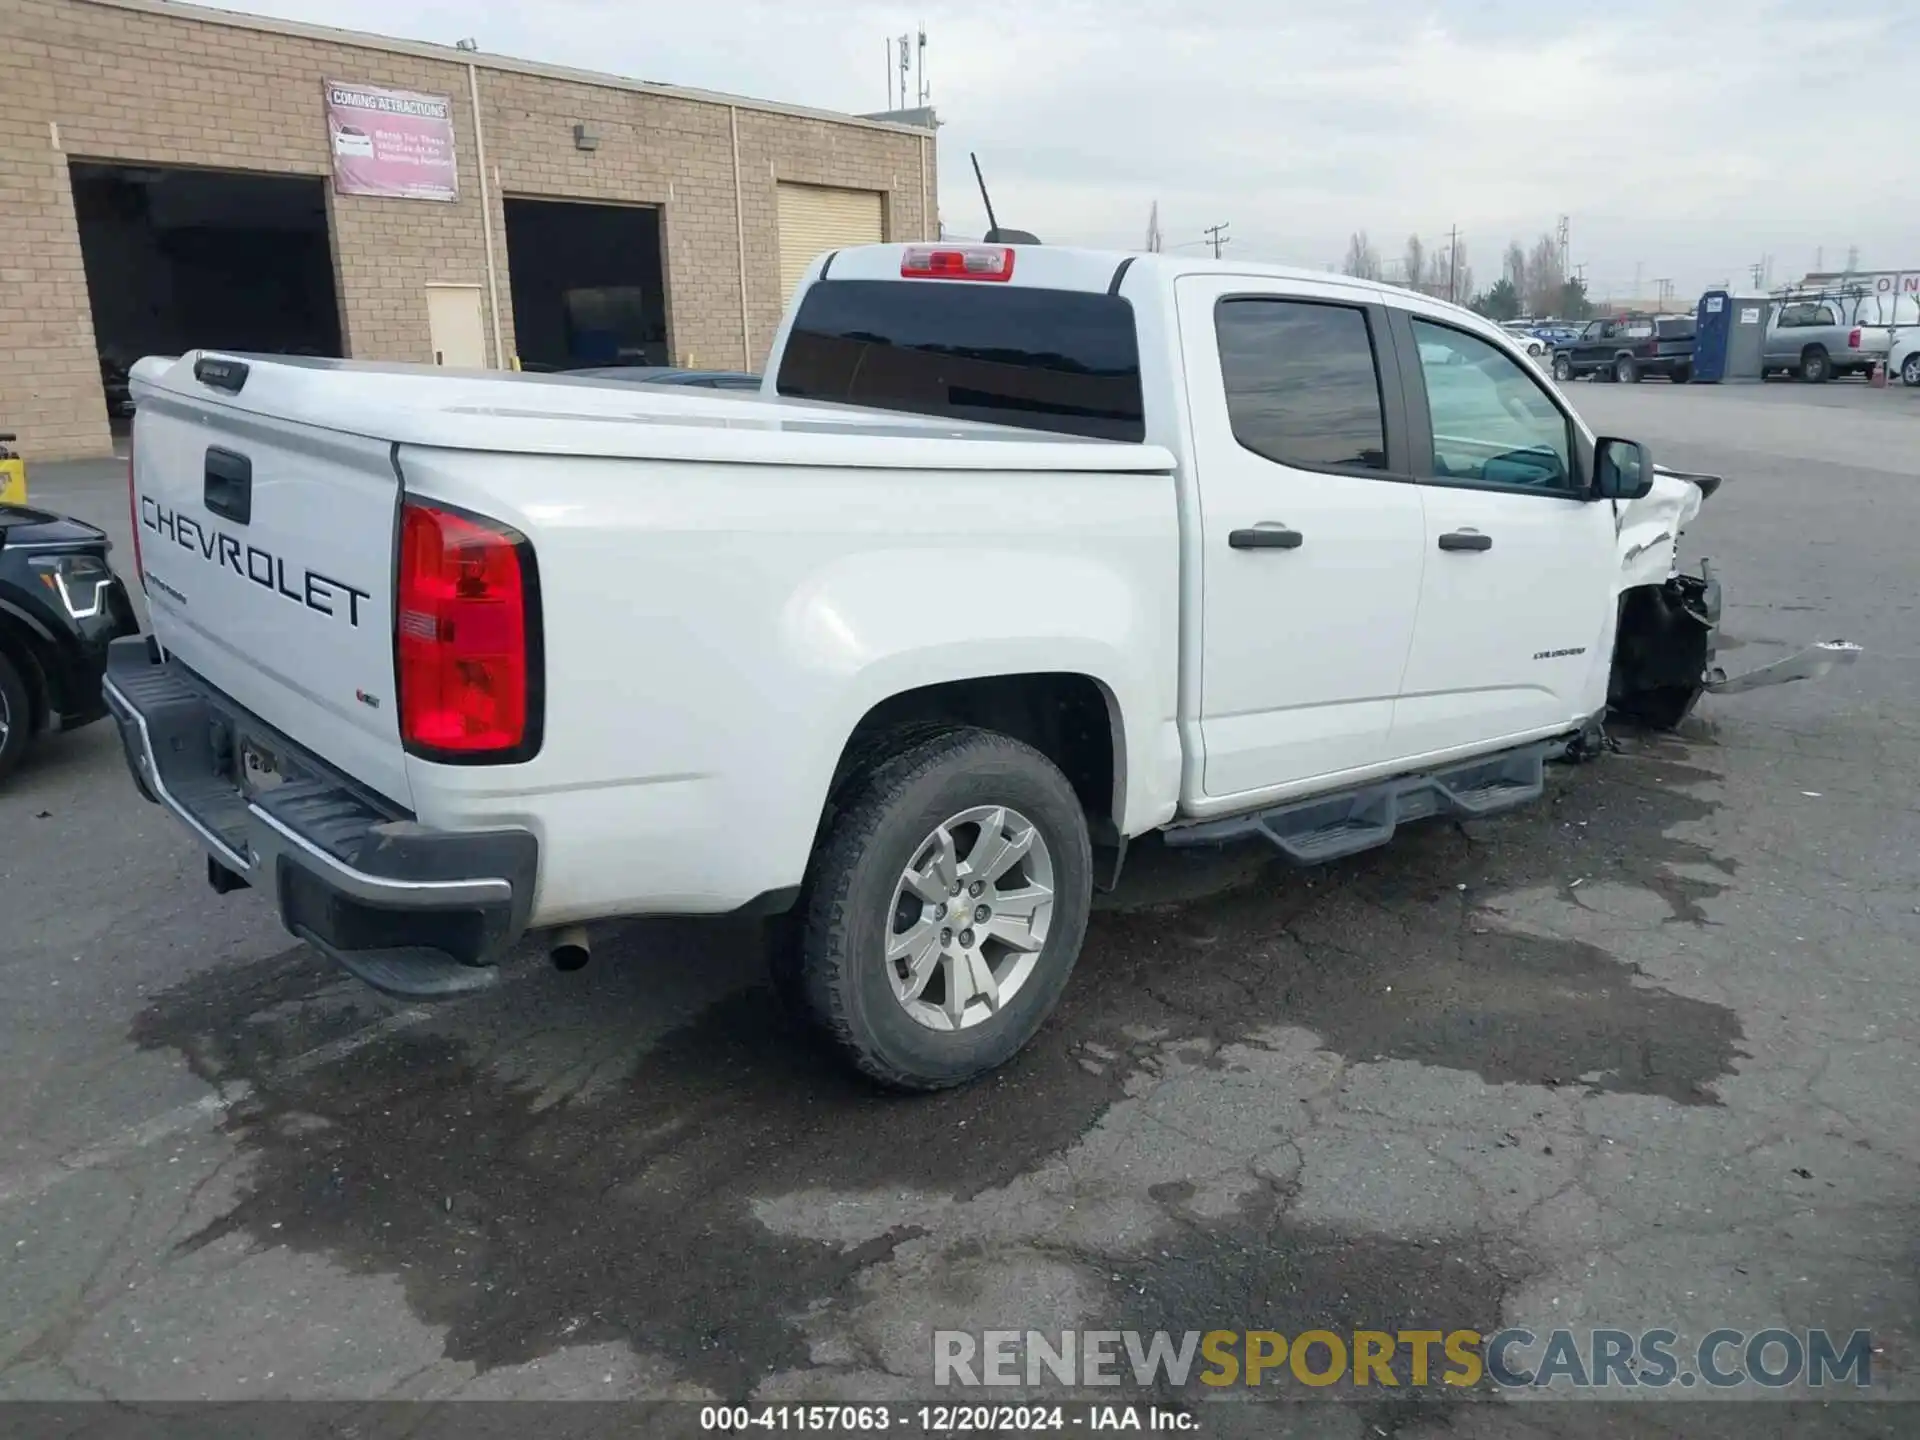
[{"x": 1645, "y": 1055}]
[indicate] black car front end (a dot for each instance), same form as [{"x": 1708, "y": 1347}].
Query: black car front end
[{"x": 60, "y": 607}]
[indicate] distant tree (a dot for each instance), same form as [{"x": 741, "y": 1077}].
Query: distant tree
[
  {"x": 1514, "y": 267},
  {"x": 1572, "y": 301},
  {"x": 1415, "y": 264},
  {"x": 1544, "y": 277},
  {"x": 1362, "y": 259},
  {"x": 1501, "y": 301}
]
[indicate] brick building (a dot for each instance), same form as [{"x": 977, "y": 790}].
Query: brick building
[{"x": 167, "y": 179}]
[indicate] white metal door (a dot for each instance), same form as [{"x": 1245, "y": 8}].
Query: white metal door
[
  {"x": 814, "y": 218},
  {"x": 454, "y": 322},
  {"x": 1518, "y": 597},
  {"x": 1312, "y": 549}
]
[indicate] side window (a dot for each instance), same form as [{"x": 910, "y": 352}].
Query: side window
[
  {"x": 1303, "y": 383},
  {"x": 1826, "y": 316},
  {"x": 1595, "y": 330},
  {"x": 1637, "y": 330},
  {"x": 1493, "y": 423}
]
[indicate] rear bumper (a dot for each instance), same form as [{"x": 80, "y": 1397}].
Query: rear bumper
[{"x": 410, "y": 910}]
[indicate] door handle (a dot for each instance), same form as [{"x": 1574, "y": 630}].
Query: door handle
[
  {"x": 1465, "y": 540},
  {"x": 228, "y": 488},
  {"x": 1266, "y": 537}
]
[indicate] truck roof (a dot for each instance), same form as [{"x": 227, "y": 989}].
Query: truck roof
[
  {"x": 518, "y": 413},
  {"x": 1068, "y": 267}
]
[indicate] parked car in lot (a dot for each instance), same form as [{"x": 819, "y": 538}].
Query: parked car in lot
[
  {"x": 1818, "y": 336},
  {"x": 1118, "y": 544},
  {"x": 60, "y": 607},
  {"x": 1523, "y": 335},
  {"x": 1629, "y": 348},
  {"x": 1903, "y": 355}
]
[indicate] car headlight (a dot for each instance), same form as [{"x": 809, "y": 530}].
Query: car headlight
[{"x": 81, "y": 582}]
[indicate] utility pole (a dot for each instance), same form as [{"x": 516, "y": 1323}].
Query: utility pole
[
  {"x": 1453, "y": 249},
  {"x": 1563, "y": 236},
  {"x": 1664, "y": 287},
  {"x": 1217, "y": 236}
]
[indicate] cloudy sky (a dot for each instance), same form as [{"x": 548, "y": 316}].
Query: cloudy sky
[{"x": 1685, "y": 138}]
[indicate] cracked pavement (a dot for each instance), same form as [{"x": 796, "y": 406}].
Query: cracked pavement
[{"x": 1641, "y": 1055}]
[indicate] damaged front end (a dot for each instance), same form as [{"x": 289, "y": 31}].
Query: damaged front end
[{"x": 1665, "y": 647}]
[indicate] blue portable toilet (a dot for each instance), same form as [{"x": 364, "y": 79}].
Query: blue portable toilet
[{"x": 1729, "y": 336}]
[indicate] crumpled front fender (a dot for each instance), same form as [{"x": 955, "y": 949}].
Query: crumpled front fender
[
  {"x": 1648, "y": 529},
  {"x": 1668, "y": 633}
]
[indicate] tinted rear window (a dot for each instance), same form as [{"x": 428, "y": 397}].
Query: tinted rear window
[
  {"x": 1061, "y": 360},
  {"x": 1676, "y": 329}
]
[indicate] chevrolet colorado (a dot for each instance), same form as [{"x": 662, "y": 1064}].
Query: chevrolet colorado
[{"x": 1019, "y": 553}]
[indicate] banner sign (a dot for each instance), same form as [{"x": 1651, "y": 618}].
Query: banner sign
[{"x": 391, "y": 142}]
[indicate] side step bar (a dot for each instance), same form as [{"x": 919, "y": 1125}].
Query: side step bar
[{"x": 1329, "y": 827}]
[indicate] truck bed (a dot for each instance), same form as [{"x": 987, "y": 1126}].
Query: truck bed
[{"x": 517, "y": 413}]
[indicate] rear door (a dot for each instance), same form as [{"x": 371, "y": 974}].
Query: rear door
[
  {"x": 1517, "y": 589},
  {"x": 1312, "y": 529},
  {"x": 267, "y": 549}
]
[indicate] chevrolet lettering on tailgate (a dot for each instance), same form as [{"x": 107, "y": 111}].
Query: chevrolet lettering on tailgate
[{"x": 269, "y": 571}]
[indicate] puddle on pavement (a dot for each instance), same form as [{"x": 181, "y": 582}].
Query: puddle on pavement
[{"x": 522, "y": 1222}]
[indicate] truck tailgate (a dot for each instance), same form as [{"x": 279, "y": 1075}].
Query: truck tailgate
[{"x": 267, "y": 549}]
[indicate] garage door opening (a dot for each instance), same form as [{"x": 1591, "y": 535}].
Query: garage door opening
[
  {"x": 588, "y": 287},
  {"x": 817, "y": 218},
  {"x": 179, "y": 259}
]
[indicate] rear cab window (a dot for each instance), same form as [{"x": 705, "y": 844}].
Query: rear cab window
[
  {"x": 1677, "y": 328},
  {"x": 1066, "y": 361},
  {"x": 1303, "y": 383}
]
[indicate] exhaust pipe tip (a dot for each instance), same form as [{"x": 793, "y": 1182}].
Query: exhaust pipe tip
[{"x": 571, "y": 949}]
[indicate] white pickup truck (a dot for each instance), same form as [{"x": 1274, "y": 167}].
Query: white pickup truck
[{"x": 1020, "y": 553}]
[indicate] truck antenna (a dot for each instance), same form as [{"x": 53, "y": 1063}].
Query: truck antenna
[
  {"x": 995, "y": 235},
  {"x": 985, "y": 199}
]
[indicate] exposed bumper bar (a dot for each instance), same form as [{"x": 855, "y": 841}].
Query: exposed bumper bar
[{"x": 1808, "y": 664}]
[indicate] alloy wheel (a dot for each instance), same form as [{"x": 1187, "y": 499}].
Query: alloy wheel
[{"x": 970, "y": 917}]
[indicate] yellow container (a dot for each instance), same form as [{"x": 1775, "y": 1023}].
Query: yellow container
[{"x": 13, "y": 475}]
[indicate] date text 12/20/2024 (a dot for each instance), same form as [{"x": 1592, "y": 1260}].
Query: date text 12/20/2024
[{"x": 942, "y": 1419}]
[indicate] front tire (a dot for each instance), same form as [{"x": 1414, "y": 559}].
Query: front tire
[
  {"x": 16, "y": 717},
  {"x": 922, "y": 991},
  {"x": 1562, "y": 369}
]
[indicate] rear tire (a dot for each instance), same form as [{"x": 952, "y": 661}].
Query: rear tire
[
  {"x": 1625, "y": 371},
  {"x": 1681, "y": 375},
  {"x": 1815, "y": 367},
  {"x": 1910, "y": 369},
  {"x": 16, "y": 717},
  {"x": 853, "y": 908}
]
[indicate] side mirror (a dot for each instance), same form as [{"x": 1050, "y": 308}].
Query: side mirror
[{"x": 1622, "y": 470}]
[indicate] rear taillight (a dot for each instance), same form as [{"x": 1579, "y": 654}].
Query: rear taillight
[
  {"x": 1853, "y": 338},
  {"x": 133, "y": 515},
  {"x": 466, "y": 638},
  {"x": 957, "y": 262}
]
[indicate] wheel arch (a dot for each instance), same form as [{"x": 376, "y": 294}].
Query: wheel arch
[
  {"x": 22, "y": 644},
  {"x": 1072, "y": 717}
]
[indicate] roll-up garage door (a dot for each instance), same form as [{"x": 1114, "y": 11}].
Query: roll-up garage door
[{"x": 814, "y": 218}]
